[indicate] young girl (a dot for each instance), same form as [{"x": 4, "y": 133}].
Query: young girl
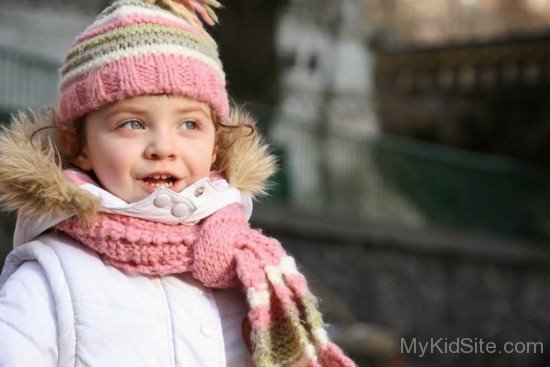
[{"x": 132, "y": 246}]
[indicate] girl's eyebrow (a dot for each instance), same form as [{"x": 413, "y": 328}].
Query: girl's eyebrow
[
  {"x": 139, "y": 111},
  {"x": 129, "y": 109},
  {"x": 193, "y": 109}
]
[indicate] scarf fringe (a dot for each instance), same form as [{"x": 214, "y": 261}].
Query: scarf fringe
[{"x": 285, "y": 284}]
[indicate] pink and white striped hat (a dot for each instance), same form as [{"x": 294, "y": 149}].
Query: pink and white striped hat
[{"x": 141, "y": 47}]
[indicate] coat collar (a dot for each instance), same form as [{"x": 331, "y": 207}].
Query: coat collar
[
  {"x": 33, "y": 183},
  {"x": 189, "y": 206}
]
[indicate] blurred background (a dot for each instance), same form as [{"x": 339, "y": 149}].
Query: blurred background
[{"x": 414, "y": 143}]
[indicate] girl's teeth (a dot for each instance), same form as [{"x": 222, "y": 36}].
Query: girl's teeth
[
  {"x": 162, "y": 184},
  {"x": 160, "y": 181}
]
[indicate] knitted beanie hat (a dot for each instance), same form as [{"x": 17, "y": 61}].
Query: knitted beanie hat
[{"x": 141, "y": 47}]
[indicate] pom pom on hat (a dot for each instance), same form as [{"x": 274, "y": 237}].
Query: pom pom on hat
[{"x": 188, "y": 9}]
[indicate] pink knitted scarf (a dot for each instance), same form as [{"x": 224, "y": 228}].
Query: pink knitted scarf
[{"x": 222, "y": 251}]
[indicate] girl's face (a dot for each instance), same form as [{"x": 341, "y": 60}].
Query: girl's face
[{"x": 139, "y": 144}]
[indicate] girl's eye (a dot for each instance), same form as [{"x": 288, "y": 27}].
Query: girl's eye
[
  {"x": 133, "y": 124},
  {"x": 189, "y": 125}
]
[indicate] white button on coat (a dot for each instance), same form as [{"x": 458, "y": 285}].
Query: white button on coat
[
  {"x": 180, "y": 210},
  {"x": 162, "y": 201},
  {"x": 207, "y": 329}
]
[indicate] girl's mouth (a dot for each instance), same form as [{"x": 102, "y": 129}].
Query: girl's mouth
[{"x": 160, "y": 181}]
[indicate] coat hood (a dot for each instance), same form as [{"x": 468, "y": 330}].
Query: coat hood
[{"x": 32, "y": 182}]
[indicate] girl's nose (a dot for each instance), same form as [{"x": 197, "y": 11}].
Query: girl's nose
[{"x": 161, "y": 146}]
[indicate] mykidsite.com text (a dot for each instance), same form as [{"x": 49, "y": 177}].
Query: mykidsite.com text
[{"x": 431, "y": 346}]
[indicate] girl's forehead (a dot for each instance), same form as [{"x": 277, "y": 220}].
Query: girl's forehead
[
  {"x": 156, "y": 103},
  {"x": 164, "y": 99}
]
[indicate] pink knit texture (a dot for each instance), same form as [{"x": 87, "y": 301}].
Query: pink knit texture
[
  {"x": 222, "y": 251},
  {"x": 137, "y": 48},
  {"x": 143, "y": 75}
]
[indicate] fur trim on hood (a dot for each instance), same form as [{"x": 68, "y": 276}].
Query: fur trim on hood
[{"x": 31, "y": 179}]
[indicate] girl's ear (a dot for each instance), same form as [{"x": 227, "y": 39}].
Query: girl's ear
[{"x": 82, "y": 160}]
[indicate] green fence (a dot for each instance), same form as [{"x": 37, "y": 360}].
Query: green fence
[
  {"x": 457, "y": 188},
  {"x": 390, "y": 179}
]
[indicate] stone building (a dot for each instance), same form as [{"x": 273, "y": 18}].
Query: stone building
[
  {"x": 407, "y": 23},
  {"x": 472, "y": 74}
]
